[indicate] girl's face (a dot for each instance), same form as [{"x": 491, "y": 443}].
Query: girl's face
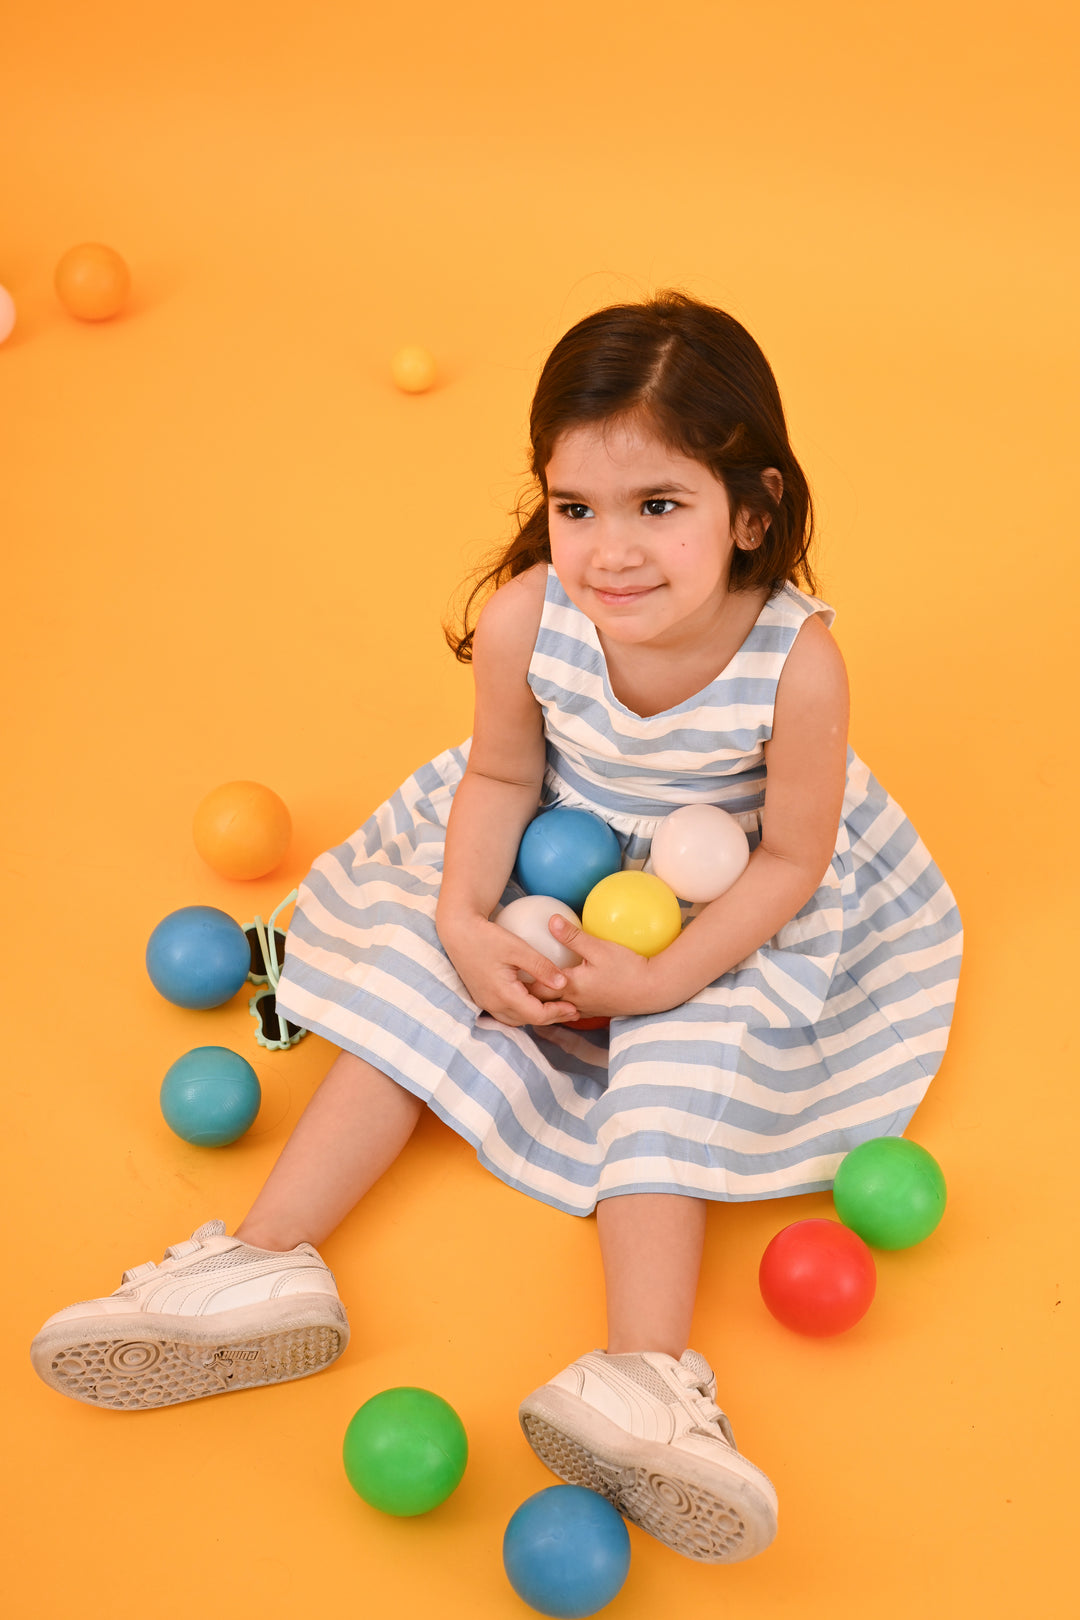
[{"x": 641, "y": 536}]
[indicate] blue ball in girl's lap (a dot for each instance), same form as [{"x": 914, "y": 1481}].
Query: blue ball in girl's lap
[{"x": 564, "y": 854}]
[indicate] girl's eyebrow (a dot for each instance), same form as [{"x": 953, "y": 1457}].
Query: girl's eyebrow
[{"x": 628, "y": 494}]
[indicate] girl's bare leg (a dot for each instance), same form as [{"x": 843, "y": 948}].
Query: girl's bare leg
[
  {"x": 651, "y": 1245},
  {"x": 352, "y": 1130}
]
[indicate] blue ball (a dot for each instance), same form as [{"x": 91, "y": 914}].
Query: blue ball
[
  {"x": 564, "y": 853},
  {"x": 198, "y": 957},
  {"x": 210, "y": 1096},
  {"x": 566, "y": 1551}
]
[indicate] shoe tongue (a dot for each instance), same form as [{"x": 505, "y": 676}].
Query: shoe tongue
[
  {"x": 209, "y": 1229},
  {"x": 695, "y": 1362}
]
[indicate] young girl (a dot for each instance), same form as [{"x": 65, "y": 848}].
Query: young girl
[{"x": 648, "y": 645}]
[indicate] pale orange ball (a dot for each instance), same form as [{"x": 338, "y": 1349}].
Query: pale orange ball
[
  {"x": 92, "y": 281},
  {"x": 413, "y": 370},
  {"x": 242, "y": 829}
]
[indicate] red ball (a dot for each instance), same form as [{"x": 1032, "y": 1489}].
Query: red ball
[{"x": 817, "y": 1277}]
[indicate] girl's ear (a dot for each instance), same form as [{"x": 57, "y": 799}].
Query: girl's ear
[
  {"x": 773, "y": 479},
  {"x": 749, "y": 538}
]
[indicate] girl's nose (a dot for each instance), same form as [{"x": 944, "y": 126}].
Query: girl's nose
[{"x": 616, "y": 545}]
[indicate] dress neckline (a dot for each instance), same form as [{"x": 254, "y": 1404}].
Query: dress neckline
[{"x": 694, "y": 701}]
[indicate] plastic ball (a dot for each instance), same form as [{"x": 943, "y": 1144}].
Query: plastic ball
[
  {"x": 566, "y": 1551},
  {"x": 699, "y": 851},
  {"x": 564, "y": 853},
  {"x": 92, "y": 281},
  {"x": 198, "y": 957},
  {"x": 413, "y": 370},
  {"x": 242, "y": 829},
  {"x": 634, "y": 909},
  {"x": 405, "y": 1451},
  {"x": 528, "y": 919},
  {"x": 890, "y": 1191},
  {"x": 817, "y": 1277},
  {"x": 210, "y": 1096},
  {"x": 7, "y": 314}
]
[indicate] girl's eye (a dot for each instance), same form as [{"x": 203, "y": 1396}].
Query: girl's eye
[{"x": 572, "y": 509}]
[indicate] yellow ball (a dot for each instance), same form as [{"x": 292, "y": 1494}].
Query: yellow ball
[
  {"x": 413, "y": 370},
  {"x": 242, "y": 829},
  {"x": 634, "y": 909}
]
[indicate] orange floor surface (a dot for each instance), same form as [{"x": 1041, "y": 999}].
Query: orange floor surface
[{"x": 229, "y": 542}]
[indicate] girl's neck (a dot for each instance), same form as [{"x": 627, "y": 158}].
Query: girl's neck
[{"x": 650, "y": 680}]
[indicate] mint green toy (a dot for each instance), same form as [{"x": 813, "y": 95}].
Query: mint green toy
[{"x": 267, "y": 945}]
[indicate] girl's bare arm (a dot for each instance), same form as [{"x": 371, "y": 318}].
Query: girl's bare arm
[
  {"x": 806, "y": 761},
  {"x": 494, "y": 802}
]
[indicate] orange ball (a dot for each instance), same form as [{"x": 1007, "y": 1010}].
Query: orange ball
[
  {"x": 92, "y": 281},
  {"x": 242, "y": 829}
]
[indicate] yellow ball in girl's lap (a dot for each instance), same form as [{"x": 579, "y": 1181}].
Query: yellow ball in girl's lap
[{"x": 634, "y": 909}]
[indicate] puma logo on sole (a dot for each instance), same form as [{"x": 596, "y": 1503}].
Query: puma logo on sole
[{"x": 227, "y": 1353}]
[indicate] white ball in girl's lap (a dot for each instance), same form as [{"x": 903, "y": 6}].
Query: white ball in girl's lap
[
  {"x": 528, "y": 919},
  {"x": 699, "y": 851}
]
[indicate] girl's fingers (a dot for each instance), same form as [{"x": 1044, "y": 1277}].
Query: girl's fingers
[
  {"x": 539, "y": 966},
  {"x": 554, "y": 1012},
  {"x": 527, "y": 1010},
  {"x": 567, "y": 934}
]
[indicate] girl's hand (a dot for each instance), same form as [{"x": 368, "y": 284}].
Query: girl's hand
[
  {"x": 487, "y": 959},
  {"x": 611, "y": 980}
]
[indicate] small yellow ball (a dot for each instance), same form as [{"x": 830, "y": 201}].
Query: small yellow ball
[
  {"x": 92, "y": 281},
  {"x": 413, "y": 370},
  {"x": 634, "y": 909}
]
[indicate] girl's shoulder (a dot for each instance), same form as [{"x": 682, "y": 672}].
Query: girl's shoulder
[
  {"x": 517, "y": 606},
  {"x": 509, "y": 621},
  {"x": 813, "y": 682}
]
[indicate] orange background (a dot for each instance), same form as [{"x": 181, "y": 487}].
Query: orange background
[{"x": 229, "y": 545}]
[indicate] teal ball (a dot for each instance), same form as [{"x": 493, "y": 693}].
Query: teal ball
[{"x": 210, "y": 1096}]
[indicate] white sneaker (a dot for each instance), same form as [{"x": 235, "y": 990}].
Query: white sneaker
[
  {"x": 215, "y": 1315},
  {"x": 644, "y": 1431}
]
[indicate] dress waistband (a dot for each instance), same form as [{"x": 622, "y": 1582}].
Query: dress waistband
[{"x": 628, "y": 812}]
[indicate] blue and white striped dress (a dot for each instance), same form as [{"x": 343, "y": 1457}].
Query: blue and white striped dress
[{"x": 827, "y": 1035}]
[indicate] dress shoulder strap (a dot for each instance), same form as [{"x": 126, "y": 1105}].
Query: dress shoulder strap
[{"x": 792, "y": 606}]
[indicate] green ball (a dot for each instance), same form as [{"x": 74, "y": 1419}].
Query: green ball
[
  {"x": 890, "y": 1191},
  {"x": 405, "y": 1451}
]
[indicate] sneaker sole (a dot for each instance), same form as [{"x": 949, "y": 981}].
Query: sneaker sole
[
  {"x": 131, "y": 1363},
  {"x": 714, "y": 1516}
]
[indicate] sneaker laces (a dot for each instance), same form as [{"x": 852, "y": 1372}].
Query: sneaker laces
[
  {"x": 177, "y": 1251},
  {"x": 699, "y": 1380}
]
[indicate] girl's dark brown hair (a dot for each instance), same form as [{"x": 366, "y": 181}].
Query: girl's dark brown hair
[{"x": 698, "y": 380}]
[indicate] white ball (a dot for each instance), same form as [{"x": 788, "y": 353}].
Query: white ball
[
  {"x": 528, "y": 919},
  {"x": 7, "y": 313},
  {"x": 699, "y": 851}
]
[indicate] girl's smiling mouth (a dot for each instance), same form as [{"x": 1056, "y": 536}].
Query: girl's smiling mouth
[{"x": 615, "y": 598}]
